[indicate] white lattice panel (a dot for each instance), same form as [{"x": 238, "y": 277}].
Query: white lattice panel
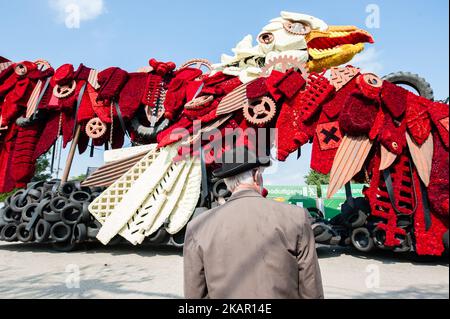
[
  {"x": 103, "y": 205},
  {"x": 136, "y": 195},
  {"x": 188, "y": 200}
]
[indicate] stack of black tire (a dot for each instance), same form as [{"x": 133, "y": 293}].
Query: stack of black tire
[
  {"x": 50, "y": 212},
  {"x": 357, "y": 227}
]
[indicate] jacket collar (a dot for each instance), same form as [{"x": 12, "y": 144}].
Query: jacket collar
[{"x": 244, "y": 194}]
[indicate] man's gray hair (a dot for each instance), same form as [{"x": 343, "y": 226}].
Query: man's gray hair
[{"x": 243, "y": 178}]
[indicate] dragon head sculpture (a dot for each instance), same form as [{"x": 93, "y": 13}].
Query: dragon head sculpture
[{"x": 301, "y": 36}]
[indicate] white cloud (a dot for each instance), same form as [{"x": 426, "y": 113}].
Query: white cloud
[
  {"x": 72, "y": 12},
  {"x": 369, "y": 61}
]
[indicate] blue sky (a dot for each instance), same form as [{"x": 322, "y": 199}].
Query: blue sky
[{"x": 413, "y": 36}]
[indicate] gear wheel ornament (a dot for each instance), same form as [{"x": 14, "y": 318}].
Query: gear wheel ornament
[
  {"x": 64, "y": 91},
  {"x": 95, "y": 128},
  {"x": 198, "y": 64},
  {"x": 283, "y": 64},
  {"x": 260, "y": 111}
]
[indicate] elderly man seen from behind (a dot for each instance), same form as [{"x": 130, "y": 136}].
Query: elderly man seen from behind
[{"x": 250, "y": 247}]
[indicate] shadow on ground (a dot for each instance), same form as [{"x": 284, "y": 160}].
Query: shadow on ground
[{"x": 63, "y": 285}]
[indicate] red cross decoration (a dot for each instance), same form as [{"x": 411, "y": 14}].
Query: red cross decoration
[{"x": 329, "y": 135}]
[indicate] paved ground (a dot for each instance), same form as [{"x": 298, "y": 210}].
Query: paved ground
[{"x": 30, "y": 271}]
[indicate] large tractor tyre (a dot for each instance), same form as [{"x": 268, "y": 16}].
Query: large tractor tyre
[
  {"x": 42, "y": 231},
  {"x": 362, "y": 240},
  {"x": 412, "y": 80}
]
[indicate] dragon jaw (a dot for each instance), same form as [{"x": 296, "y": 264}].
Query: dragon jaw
[{"x": 335, "y": 46}]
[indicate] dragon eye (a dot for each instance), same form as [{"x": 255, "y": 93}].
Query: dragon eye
[
  {"x": 21, "y": 69},
  {"x": 266, "y": 38},
  {"x": 297, "y": 28}
]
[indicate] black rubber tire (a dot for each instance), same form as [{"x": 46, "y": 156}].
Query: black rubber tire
[
  {"x": 85, "y": 214},
  {"x": 80, "y": 197},
  {"x": 51, "y": 217},
  {"x": 35, "y": 185},
  {"x": 324, "y": 235},
  {"x": 177, "y": 240},
  {"x": 10, "y": 216},
  {"x": 405, "y": 246},
  {"x": 379, "y": 238},
  {"x": 28, "y": 212},
  {"x": 418, "y": 83},
  {"x": 60, "y": 232},
  {"x": 42, "y": 231},
  {"x": 159, "y": 237},
  {"x": 18, "y": 202},
  {"x": 69, "y": 187},
  {"x": 2, "y": 215},
  {"x": 80, "y": 233},
  {"x": 356, "y": 220},
  {"x": 34, "y": 195},
  {"x": 50, "y": 185},
  {"x": 58, "y": 203},
  {"x": 9, "y": 233},
  {"x": 24, "y": 235},
  {"x": 43, "y": 206},
  {"x": 71, "y": 214},
  {"x": 362, "y": 240},
  {"x": 93, "y": 229},
  {"x": 220, "y": 189}
]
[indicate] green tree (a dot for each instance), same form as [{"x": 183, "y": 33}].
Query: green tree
[
  {"x": 318, "y": 179},
  {"x": 80, "y": 178},
  {"x": 42, "y": 172}
]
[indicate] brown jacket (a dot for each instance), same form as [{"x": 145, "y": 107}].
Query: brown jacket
[{"x": 251, "y": 248}]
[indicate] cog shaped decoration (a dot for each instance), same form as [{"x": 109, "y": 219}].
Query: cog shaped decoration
[
  {"x": 260, "y": 111},
  {"x": 95, "y": 128},
  {"x": 44, "y": 64},
  {"x": 283, "y": 64},
  {"x": 201, "y": 64},
  {"x": 64, "y": 91}
]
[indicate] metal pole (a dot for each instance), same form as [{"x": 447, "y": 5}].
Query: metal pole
[{"x": 71, "y": 155}]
